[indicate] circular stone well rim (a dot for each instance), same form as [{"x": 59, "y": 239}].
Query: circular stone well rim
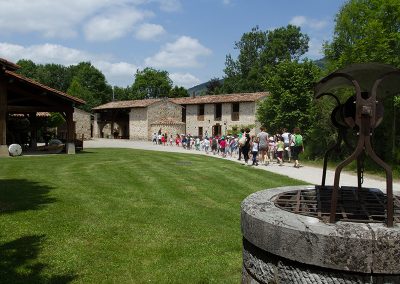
[{"x": 358, "y": 247}]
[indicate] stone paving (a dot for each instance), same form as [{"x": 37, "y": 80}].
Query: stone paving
[{"x": 308, "y": 174}]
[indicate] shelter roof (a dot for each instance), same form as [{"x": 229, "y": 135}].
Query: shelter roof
[
  {"x": 230, "y": 98},
  {"x": 37, "y": 85},
  {"x": 7, "y": 65}
]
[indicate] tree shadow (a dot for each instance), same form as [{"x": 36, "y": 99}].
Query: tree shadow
[
  {"x": 21, "y": 194},
  {"x": 18, "y": 262}
]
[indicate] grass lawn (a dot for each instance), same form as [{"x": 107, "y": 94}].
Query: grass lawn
[{"x": 124, "y": 216}]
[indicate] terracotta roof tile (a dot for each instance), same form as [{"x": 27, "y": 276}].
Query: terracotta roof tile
[
  {"x": 127, "y": 104},
  {"x": 230, "y": 98},
  {"x": 41, "y": 86}
]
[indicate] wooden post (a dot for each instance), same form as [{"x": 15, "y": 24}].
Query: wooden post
[{"x": 3, "y": 120}]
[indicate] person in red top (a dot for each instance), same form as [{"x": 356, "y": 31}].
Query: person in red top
[
  {"x": 222, "y": 145},
  {"x": 163, "y": 139}
]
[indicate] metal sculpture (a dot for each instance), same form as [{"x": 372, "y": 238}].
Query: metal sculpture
[{"x": 361, "y": 113}]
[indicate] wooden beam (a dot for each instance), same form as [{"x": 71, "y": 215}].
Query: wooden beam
[
  {"x": 42, "y": 97},
  {"x": 3, "y": 113},
  {"x": 29, "y": 109}
]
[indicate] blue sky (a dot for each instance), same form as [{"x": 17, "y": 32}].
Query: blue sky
[{"x": 187, "y": 38}]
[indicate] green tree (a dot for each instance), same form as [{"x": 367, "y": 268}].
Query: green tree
[
  {"x": 178, "y": 92},
  {"x": 151, "y": 83},
  {"x": 365, "y": 31},
  {"x": 289, "y": 103},
  {"x": 93, "y": 81},
  {"x": 369, "y": 31},
  {"x": 258, "y": 49},
  {"x": 28, "y": 68},
  {"x": 213, "y": 86},
  {"x": 76, "y": 89}
]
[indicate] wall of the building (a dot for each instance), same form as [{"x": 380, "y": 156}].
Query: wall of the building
[
  {"x": 247, "y": 115},
  {"x": 83, "y": 124},
  {"x": 160, "y": 111},
  {"x": 138, "y": 124}
]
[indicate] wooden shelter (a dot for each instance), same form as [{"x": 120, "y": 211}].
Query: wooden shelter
[{"x": 21, "y": 95}]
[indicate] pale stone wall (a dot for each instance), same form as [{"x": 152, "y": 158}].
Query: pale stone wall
[
  {"x": 83, "y": 122},
  {"x": 96, "y": 129},
  {"x": 138, "y": 124},
  {"x": 247, "y": 116},
  {"x": 160, "y": 111}
]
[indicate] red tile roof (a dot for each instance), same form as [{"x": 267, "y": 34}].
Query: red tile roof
[
  {"x": 230, "y": 98},
  {"x": 44, "y": 87},
  {"x": 127, "y": 104}
]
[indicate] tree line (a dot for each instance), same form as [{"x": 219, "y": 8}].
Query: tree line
[{"x": 88, "y": 83}]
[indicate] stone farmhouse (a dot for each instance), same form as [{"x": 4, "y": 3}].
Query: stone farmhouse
[{"x": 197, "y": 116}]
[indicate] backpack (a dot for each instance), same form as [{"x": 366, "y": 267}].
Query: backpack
[{"x": 298, "y": 140}]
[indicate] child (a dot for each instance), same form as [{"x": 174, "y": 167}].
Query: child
[
  {"x": 280, "y": 147},
  {"x": 271, "y": 151}
]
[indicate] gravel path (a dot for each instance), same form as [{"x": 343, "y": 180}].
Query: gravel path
[{"x": 306, "y": 173}]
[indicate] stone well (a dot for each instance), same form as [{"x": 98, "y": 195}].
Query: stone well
[{"x": 284, "y": 247}]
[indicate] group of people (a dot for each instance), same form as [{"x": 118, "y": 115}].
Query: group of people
[{"x": 263, "y": 147}]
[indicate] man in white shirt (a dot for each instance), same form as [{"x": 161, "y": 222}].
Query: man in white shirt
[{"x": 286, "y": 140}]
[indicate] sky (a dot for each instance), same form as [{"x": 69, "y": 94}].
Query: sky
[{"x": 188, "y": 38}]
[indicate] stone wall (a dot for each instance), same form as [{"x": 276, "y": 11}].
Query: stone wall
[
  {"x": 247, "y": 116},
  {"x": 83, "y": 123},
  {"x": 138, "y": 124},
  {"x": 160, "y": 111}
]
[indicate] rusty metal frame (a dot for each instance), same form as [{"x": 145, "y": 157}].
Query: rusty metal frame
[{"x": 365, "y": 118}]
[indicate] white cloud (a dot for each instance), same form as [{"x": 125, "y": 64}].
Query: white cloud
[
  {"x": 184, "y": 52},
  {"x": 113, "y": 25},
  {"x": 315, "y": 49},
  {"x": 303, "y": 21},
  {"x": 149, "y": 31},
  {"x": 169, "y": 5},
  {"x": 117, "y": 73},
  {"x": 184, "y": 80},
  {"x": 226, "y": 2},
  {"x": 63, "y": 18}
]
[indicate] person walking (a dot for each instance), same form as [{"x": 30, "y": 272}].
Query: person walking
[
  {"x": 254, "y": 150},
  {"x": 246, "y": 146},
  {"x": 240, "y": 145},
  {"x": 263, "y": 144},
  {"x": 286, "y": 140},
  {"x": 298, "y": 146}
]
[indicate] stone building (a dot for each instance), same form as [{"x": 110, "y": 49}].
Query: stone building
[
  {"x": 197, "y": 116},
  {"x": 82, "y": 124}
]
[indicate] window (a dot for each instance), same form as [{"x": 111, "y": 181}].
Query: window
[
  {"x": 235, "y": 112},
  {"x": 200, "y": 112},
  {"x": 183, "y": 113},
  {"x": 218, "y": 112}
]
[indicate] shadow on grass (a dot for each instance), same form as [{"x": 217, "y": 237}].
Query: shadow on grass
[
  {"x": 20, "y": 194},
  {"x": 18, "y": 263}
]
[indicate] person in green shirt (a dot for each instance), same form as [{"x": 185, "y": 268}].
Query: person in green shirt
[{"x": 298, "y": 146}]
